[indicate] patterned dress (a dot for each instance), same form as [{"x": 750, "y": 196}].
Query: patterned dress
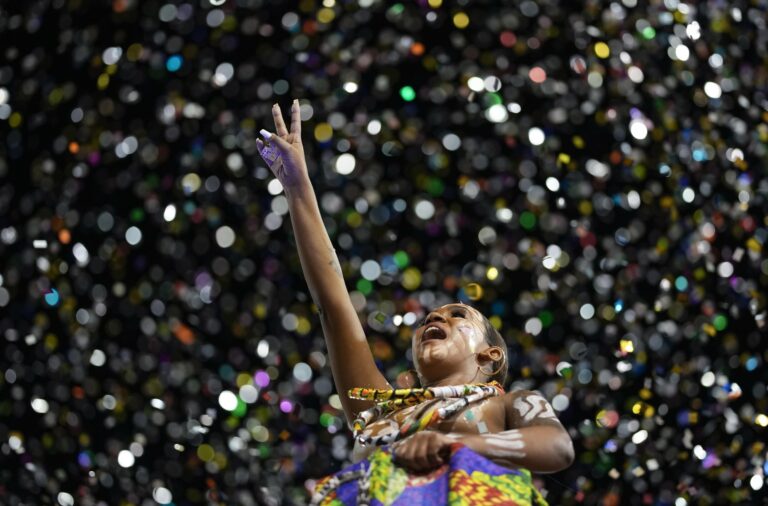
[{"x": 467, "y": 478}]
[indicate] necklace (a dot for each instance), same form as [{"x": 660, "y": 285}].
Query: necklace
[{"x": 389, "y": 400}]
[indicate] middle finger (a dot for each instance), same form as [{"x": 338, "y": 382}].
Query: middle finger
[
  {"x": 296, "y": 120},
  {"x": 404, "y": 454},
  {"x": 421, "y": 456},
  {"x": 433, "y": 455},
  {"x": 277, "y": 115}
]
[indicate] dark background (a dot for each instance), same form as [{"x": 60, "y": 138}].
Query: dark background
[{"x": 90, "y": 149}]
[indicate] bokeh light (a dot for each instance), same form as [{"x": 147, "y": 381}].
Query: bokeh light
[{"x": 591, "y": 179}]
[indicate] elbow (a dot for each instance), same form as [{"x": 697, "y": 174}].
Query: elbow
[
  {"x": 565, "y": 452},
  {"x": 557, "y": 455}
]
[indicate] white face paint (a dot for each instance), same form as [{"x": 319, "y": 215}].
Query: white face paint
[
  {"x": 467, "y": 330},
  {"x": 533, "y": 406},
  {"x": 472, "y": 336},
  {"x": 507, "y": 444}
]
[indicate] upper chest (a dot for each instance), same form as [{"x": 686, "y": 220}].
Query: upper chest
[{"x": 487, "y": 415}]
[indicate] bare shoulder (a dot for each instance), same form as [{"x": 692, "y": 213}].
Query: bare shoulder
[{"x": 525, "y": 408}]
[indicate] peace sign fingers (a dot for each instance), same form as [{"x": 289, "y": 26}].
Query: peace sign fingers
[{"x": 283, "y": 151}]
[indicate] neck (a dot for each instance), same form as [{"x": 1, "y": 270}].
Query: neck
[{"x": 456, "y": 378}]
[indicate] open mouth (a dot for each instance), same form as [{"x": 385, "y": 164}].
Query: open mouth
[{"x": 433, "y": 333}]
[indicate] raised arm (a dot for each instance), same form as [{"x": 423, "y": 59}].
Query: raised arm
[{"x": 351, "y": 359}]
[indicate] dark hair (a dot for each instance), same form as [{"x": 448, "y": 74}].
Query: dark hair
[{"x": 493, "y": 338}]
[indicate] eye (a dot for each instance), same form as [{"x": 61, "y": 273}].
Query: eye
[{"x": 459, "y": 314}]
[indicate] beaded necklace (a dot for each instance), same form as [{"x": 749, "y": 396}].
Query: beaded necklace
[{"x": 390, "y": 400}]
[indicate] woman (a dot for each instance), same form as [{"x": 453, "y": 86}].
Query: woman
[{"x": 458, "y": 440}]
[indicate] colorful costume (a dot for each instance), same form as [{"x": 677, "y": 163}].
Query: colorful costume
[{"x": 466, "y": 479}]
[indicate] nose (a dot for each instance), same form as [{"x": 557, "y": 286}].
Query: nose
[{"x": 434, "y": 316}]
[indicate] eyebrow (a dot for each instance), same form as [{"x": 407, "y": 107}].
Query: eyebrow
[{"x": 458, "y": 306}]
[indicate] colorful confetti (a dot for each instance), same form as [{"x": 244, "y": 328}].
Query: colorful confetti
[{"x": 589, "y": 175}]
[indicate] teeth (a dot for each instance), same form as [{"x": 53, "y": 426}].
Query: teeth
[{"x": 432, "y": 330}]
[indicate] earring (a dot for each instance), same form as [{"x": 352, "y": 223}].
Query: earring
[{"x": 494, "y": 373}]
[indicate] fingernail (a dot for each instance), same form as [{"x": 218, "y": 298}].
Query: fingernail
[{"x": 265, "y": 134}]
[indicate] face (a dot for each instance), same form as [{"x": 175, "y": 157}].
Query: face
[{"x": 458, "y": 336}]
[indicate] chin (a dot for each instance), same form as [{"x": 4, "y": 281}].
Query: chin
[{"x": 434, "y": 366}]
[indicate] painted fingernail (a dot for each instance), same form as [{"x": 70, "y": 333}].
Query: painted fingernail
[{"x": 265, "y": 134}]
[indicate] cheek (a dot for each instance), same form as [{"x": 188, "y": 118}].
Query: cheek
[
  {"x": 472, "y": 337},
  {"x": 415, "y": 356}
]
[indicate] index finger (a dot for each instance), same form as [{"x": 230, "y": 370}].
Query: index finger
[
  {"x": 277, "y": 115},
  {"x": 296, "y": 120}
]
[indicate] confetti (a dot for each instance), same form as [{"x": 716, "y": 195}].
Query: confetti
[
  {"x": 592, "y": 179},
  {"x": 564, "y": 369}
]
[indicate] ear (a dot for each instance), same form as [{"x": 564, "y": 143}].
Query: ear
[
  {"x": 490, "y": 354},
  {"x": 408, "y": 379}
]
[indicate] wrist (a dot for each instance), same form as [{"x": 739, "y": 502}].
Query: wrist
[{"x": 297, "y": 192}]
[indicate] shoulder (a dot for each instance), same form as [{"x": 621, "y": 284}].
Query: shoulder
[
  {"x": 528, "y": 407},
  {"x": 521, "y": 395}
]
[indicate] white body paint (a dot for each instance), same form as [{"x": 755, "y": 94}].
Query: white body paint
[
  {"x": 501, "y": 445},
  {"x": 534, "y": 406},
  {"x": 505, "y": 444}
]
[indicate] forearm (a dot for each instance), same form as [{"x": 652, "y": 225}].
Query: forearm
[
  {"x": 542, "y": 449},
  {"x": 350, "y": 357},
  {"x": 318, "y": 258}
]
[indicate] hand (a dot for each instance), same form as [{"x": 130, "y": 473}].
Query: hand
[
  {"x": 423, "y": 451},
  {"x": 290, "y": 167}
]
